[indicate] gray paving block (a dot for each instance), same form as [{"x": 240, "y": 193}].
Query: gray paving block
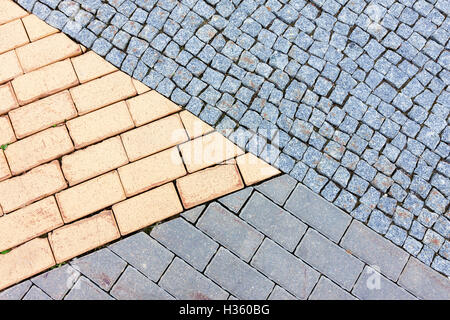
[
  {"x": 278, "y": 189},
  {"x": 102, "y": 266},
  {"x": 371, "y": 285},
  {"x": 375, "y": 250},
  {"x": 230, "y": 231},
  {"x": 318, "y": 213},
  {"x": 279, "y": 293},
  {"x": 57, "y": 282},
  {"x": 36, "y": 294},
  {"x": 16, "y": 292},
  {"x": 192, "y": 215},
  {"x": 237, "y": 277},
  {"x": 133, "y": 285},
  {"x": 85, "y": 289},
  {"x": 186, "y": 241},
  {"x": 144, "y": 253},
  {"x": 285, "y": 269},
  {"x": 329, "y": 258},
  {"x": 328, "y": 290},
  {"x": 273, "y": 221},
  {"x": 236, "y": 200},
  {"x": 186, "y": 283},
  {"x": 424, "y": 282}
]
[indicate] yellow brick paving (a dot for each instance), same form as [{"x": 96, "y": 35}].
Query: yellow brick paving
[{"x": 89, "y": 154}]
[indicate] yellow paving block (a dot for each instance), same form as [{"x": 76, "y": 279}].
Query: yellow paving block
[
  {"x": 254, "y": 170},
  {"x": 7, "y": 99},
  {"x": 36, "y": 28},
  {"x": 10, "y": 67},
  {"x": 90, "y": 66},
  {"x": 194, "y": 126},
  {"x": 10, "y": 11},
  {"x": 5, "y": 173},
  {"x": 6, "y": 131},
  {"x": 12, "y": 35}
]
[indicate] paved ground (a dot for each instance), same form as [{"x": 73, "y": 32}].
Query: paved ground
[
  {"x": 349, "y": 97},
  {"x": 275, "y": 241},
  {"x": 78, "y": 136}
]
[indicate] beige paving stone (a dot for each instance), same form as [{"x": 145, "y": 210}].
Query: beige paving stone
[
  {"x": 147, "y": 208},
  {"x": 12, "y": 35},
  {"x": 6, "y": 131},
  {"x": 93, "y": 161},
  {"x": 34, "y": 185},
  {"x": 103, "y": 91},
  {"x": 140, "y": 87},
  {"x": 10, "y": 67},
  {"x": 208, "y": 184},
  {"x": 99, "y": 125},
  {"x": 33, "y": 257},
  {"x": 154, "y": 137},
  {"x": 150, "y": 106},
  {"x": 90, "y": 66},
  {"x": 79, "y": 237},
  {"x": 208, "y": 150},
  {"x": 194, "y": 126},
  {"x": 36, "y": 28},
  {"x": 254, "y": 170},
  {"x": 4, "y": 167},
  {"x": 46, "y": 51},
  {"x": 7, "y": 99},
  {"x": 44, "y": 82},
  {"x": 90, "y": 196},
  {"x": 30, "y": 222},
  {"x": 10, "y": 11},
  {"x": 42, "y": 114},
  {"x": 39, "y": 148},
  {"x": 152, "y": 171}
]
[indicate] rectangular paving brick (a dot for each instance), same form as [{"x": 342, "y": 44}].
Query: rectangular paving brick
[
  {"x": 12, "y": 35},
  {"x": 7, "y": 98},
  {"x": 38, "y": 149},
  {"x": 147, "y": 208},
  {"x": 186, "y": 283},
  {"x": 140, "y": 87},
  {"x": 34, "y": 185},
  {"x": 279, "y": 293},
  {"x": 76, "y": 203},
  {"x": 186, "y": 241},
  {"x": 273, "y": 221},
  {"x": 237, "y": 277},
  {"x": 424, "y": 282},
  {"x": 149, "y": 107},
  {"x": 46, "y": 51},
  {"x": 90, "y": 66},
  {"x": 208, "y": 150},
  {"x": 374, "y": 250},
  {"x": 10, "y": 66},
  {"x": 42, "y": 114},
  {"x": 10, "y": 11},
  {"x": 318, "y": 213},
  {"x": 85, "y": 289},
  {"x": 44, "y": 82},
  {"x": 143, "y": 288},
  {"x": 154, "y": 137},
  {"x": 29, "y": 222},
  {"x": 6, "y": 131},
  {"x": 230, "y": 231},
  {"x": 95, "y": 160},
  {"x": 103, "y": 91},
  {"x": 36, "y": 28},
  {"x": 79, "y": 237},
  {"x": 99, "y": 125},
  {"x": 144, "y": 253},
  {"x": 208, "y": 184},
  {"x": 150, "y": 172},
  {"x": 328, "y": 290},
  {"x": 373, "y": 286},
  {"x": 254, "y": 170},
  {"x": 285, "y": 269},
  {"x": 33, "y": 257},
  {"x": 194, "y": 126},
  {"x": 5, "y": 173},
  {"x": 330, "y": 259},
  {"x": 278, "y": 189}
]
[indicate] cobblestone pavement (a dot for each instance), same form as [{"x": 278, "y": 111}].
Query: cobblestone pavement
[
  {"x": 349, "y": 97},
  {"x": 275, "y": 241}
]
